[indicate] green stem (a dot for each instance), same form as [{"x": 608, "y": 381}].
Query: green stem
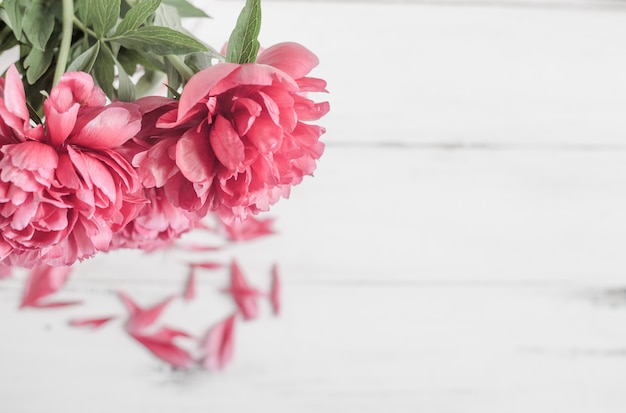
[
  {"x": 66, "y": 40},
  {"x": 84, "y": 28},
  {"x": 180, "y": 66}
]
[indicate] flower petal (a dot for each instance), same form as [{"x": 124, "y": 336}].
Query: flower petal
[
  {"x": 218, "y": 345},
  {"x": 292, "y": 58},
  {"x": 227, "y": 144},
  {"x": 107, "y": 127},
  {"x": 201, "y": 84}
]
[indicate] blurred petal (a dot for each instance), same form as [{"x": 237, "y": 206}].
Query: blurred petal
[
  {"x": 245, "y": 296},
  {"x": 275, "y": 290},
  {"x": 162, "y": 345},
  {"x": 139, "y": 318},
  {"x": 92, "y": 323},
  {"x": 43, "y": 281},
  {"x": 190, "y": 285},
  {"x": 218, "y": 344}
]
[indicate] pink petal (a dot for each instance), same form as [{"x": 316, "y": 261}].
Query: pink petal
[
  {"x": 249, "y": 228},
  {"x": 194, "y": 157},
  {"x": 207, "y": 265},
  {"x": 43, "y": 281},
  {"x": 59, "y": 124},
  {"x": 14, "y": 95},
  {"x": 92, "y": 323},
  {"x": 292, "y": 58},
  {"x": 227, "y": 144},
  {"x": 190, "y": 286},
  {"x": 275, "y": 291},
  {"x": 246, "y": 297},
  {"x": 107, "y": 127},
  {"x": 162, "y": 345},
  {"x": 139, "y": 318},
  {"x": 218, "y": 344},
  {"x": 201, "y": 84}
]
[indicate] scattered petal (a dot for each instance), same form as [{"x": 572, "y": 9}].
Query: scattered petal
[
  {"x": 43, "y": 281},
  {"x": 207, "y": 265},
  {"x": 190, "y": 286},
  {"x": 275, "y": 291},
  {"x": 161, "y": 344},
  {"x": 249, "y": 228},
  {"x": 245, "y": 296},
  {"x": 218, "y": 344},
  {"x": 92, "y": 323},
  {"x": 140, "y": 319}
]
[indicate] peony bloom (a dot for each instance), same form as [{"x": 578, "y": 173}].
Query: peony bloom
[
  {"x": 240, "y": 139},
  {"x": 65, "y": 191}
]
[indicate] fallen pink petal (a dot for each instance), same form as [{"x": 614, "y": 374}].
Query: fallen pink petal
[
  {"x": 190, "y": 285},
  {"x": 275, "y": 291},
  {"x": 161, "y": 344},
  {"x": 42, "y": 282},
  {"x": 249, "y": 228},
  {"x": 92, "y": 323},
  {"x": 245, "y": 296},
  {"x": 208, "y": 265},
  {"x": 218, "y": 344},
  {"x": 140, "y": 319}
]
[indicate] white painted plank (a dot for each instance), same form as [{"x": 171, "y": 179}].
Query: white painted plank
[
  {"x": 463, "y": 75},
  {"x": 355, "y": 348}
]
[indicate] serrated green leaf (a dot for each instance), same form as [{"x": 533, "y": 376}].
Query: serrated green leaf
[
  {"x": 36, "y": 63},
  {"x": 137, "y": 15},
  {"x": 103, "y": 71},
  {"x": 86, "y": 60},
  {"x": 15, "y": 15},
  {"x": 243, "y": 44},
  {"x": 186, "y": 9},
  {"x": 38, "y": 24},
  {"x": 160, "y": 40},
  {"x": 104, "y": 15}
]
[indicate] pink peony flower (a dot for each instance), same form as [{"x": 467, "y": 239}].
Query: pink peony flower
[
  {"x": 237, "y": 141},
  {"x": 64, "y": 192}
]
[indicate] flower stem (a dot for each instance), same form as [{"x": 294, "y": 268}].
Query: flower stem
[
  {"x": 66, "y": 40},
  {"x": 180, "y": 66}
]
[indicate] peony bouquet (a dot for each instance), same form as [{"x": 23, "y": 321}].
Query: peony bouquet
[{"x": 93, "y": 157}]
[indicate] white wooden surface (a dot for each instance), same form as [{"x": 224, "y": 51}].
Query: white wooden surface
[{"x": 459, "y": 250}]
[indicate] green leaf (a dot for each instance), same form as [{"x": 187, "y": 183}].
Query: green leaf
[
  {"x": 103, "y": 71},
  {"x": 15, "y": 15},
  {"x": 36, "y": 63},
  {"x": 186, "y": 9},
  {"x": 104, "y": 15},
  {"x": 168, "y": 16},
  {"x": 243, "y": 44},
  {"x": 160, "y": 40},
  {"x": 84, "y": 10},
  {"x": 86, "y": 60},
  {"x": 7, "y": 39},
  {"x": 125, "y": 88},
  {"x": 38, "y": 24},
  {"x": 137, "y": 15}
]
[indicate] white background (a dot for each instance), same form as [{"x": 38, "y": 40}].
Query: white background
[{"x": 460, "y": 248}]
